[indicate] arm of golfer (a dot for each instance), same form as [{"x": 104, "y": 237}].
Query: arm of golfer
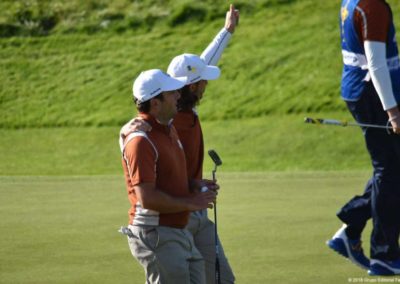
[
  {"x": 135, "y": 124},
  {"x": 213, "y": 52},
  {"x": 378, "y": 68},
  {"x": 152, "y": 198}
]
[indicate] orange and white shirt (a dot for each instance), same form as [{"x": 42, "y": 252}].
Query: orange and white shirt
[{"x": 155, "y": 157}]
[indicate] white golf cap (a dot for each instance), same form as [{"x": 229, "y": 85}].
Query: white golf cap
[
  {"x": 153, "y": 82},
  {"x": 192, "y": 67}
]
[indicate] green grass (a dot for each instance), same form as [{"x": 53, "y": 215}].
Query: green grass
[
  {"x": 273, "y": 227},
  {"x": 65, "y": 95},
  {"x": 272, "y": 143},
  {"x": 44, "y": 17},
  {"x": 78, "y": 79},
  {"x": 63, "y": 230}
]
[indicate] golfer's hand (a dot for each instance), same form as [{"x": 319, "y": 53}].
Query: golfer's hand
[
  {"x": 202, "y": 200},
  {"x": 136, "y": 124},
  {"x": 394, "y": 119},
  {"x": 210, "y": 184},
  {"x": 396, "y": 125},
  {"x": 231, "y": 19}
]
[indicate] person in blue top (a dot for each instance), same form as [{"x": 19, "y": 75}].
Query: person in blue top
[{"x": 371, "y": 89}]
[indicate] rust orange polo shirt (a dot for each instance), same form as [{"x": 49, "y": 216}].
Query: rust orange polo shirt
[
  {"x": 164, "y": 165},
  {"x": 187, "y": 124}
]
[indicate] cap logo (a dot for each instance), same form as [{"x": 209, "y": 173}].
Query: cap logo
[{"x": 191, "y": 69}]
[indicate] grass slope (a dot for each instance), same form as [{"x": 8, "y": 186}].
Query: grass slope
[
  {"x": 284, "y": 58},
  {"x": 273, "y": 228}
]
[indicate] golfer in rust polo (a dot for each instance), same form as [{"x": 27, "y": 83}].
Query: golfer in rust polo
[
  {"x": 157, "y": 184},
  {"x": 198, "y": 70}
]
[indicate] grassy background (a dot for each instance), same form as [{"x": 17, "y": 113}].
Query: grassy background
[
  {"x": 284, "y": 58},
  {"x": 273, "y": 227},
  {"x": 67, "y": 90},
  {"x": 79, "y": 79},
  {"x": 273, "y": 143},
  {"x": 66, "y": 77}
]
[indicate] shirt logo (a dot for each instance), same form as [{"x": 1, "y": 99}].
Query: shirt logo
[{"x": 344, "y": 14}]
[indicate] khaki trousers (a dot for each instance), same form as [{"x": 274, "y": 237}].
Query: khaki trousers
[
  {"x": 203, "y": 230},
  {"x": 168, "y": 255}
]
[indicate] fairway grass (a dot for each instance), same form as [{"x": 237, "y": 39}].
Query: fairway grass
[
  {"x": 273, "y": 227},
  {"x": 270, "y": 143}
]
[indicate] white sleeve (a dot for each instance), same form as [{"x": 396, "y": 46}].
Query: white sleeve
[
  {"x": 377, "y": 65},
  {"x": 213, "y": 52}
]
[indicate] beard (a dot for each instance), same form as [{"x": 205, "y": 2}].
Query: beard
[{"x": 188, "y": 99}]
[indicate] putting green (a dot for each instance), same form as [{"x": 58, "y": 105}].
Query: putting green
[{"x": 273, "y": 227}]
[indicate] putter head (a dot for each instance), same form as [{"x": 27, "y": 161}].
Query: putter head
[{"x": 214, "y": 156}]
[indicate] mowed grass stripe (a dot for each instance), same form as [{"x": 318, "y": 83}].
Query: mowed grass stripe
[
  {"x": 273, "y": 228},
  {"x": 271, "y": 143}
]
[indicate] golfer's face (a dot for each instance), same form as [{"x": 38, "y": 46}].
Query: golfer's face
[
  {"x": 169, "y": 104},
  {"x": 201, "y": 87}
]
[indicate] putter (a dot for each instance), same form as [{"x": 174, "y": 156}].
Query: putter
[
  {"x": 217, "y": 162},
  {"x": 343, "y": 123}
]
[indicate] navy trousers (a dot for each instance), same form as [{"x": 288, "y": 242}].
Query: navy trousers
[{"x": 381, "y": 198}]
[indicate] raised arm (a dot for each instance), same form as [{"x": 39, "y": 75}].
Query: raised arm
[{"x": 213, "y": 52}]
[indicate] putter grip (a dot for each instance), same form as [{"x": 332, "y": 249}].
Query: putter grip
[{"x": 313, "y": 120}]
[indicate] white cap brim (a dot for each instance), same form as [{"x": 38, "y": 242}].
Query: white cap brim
[
  {"x": 210, "y": 73},
  {"x": 173, "y": 83}
]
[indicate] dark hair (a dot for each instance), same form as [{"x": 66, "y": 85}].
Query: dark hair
[
  {"x": 144, "y": 107},
  {"x": 188, "y": 99}
]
